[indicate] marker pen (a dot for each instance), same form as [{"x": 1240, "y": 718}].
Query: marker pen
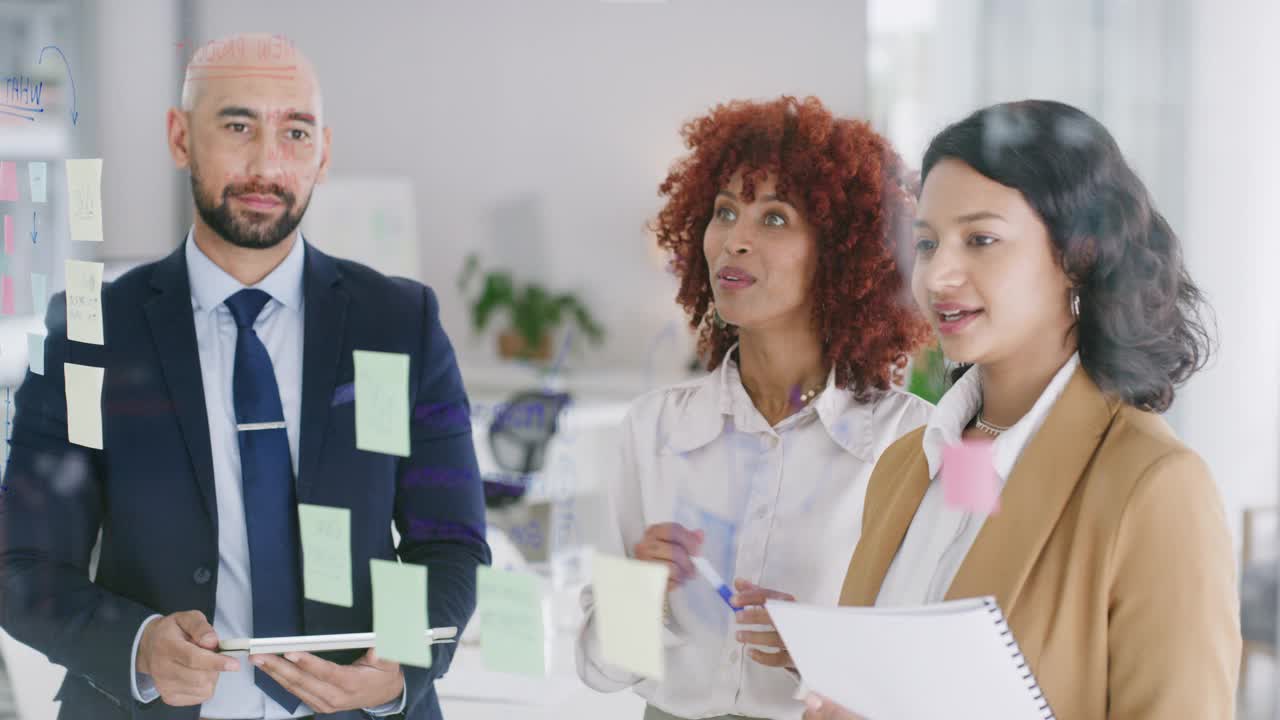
[{"x": 709, "y": 574}]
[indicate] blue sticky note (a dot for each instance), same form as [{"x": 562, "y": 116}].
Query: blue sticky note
[
  {"x": 38, "y": 175},
  {"x": 39, "y": 293},
  {"x": 35, "y": 352}
]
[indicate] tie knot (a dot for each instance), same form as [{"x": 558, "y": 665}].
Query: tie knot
[{"x": 245, "y": 306}]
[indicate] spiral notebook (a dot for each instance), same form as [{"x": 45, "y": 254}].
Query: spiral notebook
[{"x": 956, "y": 660}]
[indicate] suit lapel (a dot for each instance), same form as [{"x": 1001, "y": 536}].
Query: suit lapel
[
  {"x": 324, "y": 328},
  {"x": 1041, "y": 483},
  {"x": 882, "y": 535},
  {"x": 173, "y": 332}
]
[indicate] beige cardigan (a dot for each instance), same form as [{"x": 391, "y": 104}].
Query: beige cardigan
[{"x": 1110, "y": 556}]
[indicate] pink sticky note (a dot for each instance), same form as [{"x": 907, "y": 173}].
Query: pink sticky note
[
  {"x": 8, "y": 234},
  {"x": 6, "y": 295},
  {"x": 969, "y": 479},
  {"x": 9, "y": 181}
]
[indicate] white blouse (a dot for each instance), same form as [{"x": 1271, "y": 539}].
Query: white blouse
[
  {"x": 939, "y": 537},
  {"x": 779, "y": 506}
]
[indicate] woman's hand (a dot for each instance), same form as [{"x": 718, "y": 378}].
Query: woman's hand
[
  {"x": 817, "y": 707},
  {"x": 673, "y": 544},
  {"x": 752, "y": 598}
]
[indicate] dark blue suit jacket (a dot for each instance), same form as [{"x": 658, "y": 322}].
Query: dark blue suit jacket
[{"x": 151, "y": 490}]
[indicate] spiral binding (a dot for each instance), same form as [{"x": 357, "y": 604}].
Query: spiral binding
[{"x": 1015, "y": 652}]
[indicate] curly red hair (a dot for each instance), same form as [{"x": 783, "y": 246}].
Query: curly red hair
[{"x": 852, "y": 188}]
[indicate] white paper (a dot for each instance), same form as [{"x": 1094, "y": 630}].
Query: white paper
[
  {"x": 84, "y": 404},
  {"x": 947, "y": 660},
  {"x": 84, "y": 301}
]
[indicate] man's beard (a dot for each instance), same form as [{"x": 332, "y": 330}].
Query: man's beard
[{"x": 237, "y": 230}]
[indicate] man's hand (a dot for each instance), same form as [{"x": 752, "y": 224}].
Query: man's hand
[
  {"x": 672, "y": 544},
  {"x": 328, "y": 687},
  {"x": 177, "y": 651},
  {"x": 817, "y": 707},
  {"x": 752, "y": 598}
]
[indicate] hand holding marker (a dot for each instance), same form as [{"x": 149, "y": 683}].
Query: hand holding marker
[{"x": 709, "y": 574}]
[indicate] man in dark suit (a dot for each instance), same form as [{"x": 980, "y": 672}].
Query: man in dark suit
[{"x": 227, "y": 401}]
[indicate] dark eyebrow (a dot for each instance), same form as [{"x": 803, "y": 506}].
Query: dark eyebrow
[
  {"x": 761, "y": 198},
  {"x": 980, "y": 215},
  {"x": 302, "y": 117},
  {"x": 966, "y": 218},
  {"x": 237, "y": 111}
]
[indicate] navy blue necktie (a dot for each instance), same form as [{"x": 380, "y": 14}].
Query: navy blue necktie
[{"x": 270, "y": 506}]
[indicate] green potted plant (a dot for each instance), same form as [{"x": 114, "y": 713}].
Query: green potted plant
[
  {"x": 928, "y": 374},
  {"x": 534, "y": 313}
]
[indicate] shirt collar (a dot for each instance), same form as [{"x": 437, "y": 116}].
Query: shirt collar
[
  {"x": 211, "y": 285},
  {"x": 960, "y": 404},
  {"x": 720, "y": 399}
]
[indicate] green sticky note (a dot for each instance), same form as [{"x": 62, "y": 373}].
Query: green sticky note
[
  {"x": 628, "y": 612},
  {"x": 382, "y": 402},
  {"x": 326, "y": 553},
  {"x": 400, "y": 612},
  {"x": 511, "y": 622}
]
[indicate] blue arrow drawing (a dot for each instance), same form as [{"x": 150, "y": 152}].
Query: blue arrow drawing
[
  {"x": 74, "y": 113},
  {"x": 33, "y": 227}
]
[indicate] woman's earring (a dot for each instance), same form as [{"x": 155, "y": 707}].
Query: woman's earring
[{"x": 1075, "y": 303}]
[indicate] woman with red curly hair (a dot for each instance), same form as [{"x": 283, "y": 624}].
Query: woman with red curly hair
[{"x": 783, "y": 222}]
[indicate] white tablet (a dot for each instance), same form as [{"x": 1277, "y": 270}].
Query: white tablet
[{"x": 320, "y": 643}]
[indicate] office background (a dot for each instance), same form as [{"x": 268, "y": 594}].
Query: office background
[{"x": 533, "y": 133}]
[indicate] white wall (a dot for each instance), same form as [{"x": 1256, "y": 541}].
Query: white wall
[
  {"x": 537, "y": 132},
  {"x": 125, "y": 81},
  {"x": 1231, "y": 412}
]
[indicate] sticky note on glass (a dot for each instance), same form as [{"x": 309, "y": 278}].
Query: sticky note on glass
[
  {"x": 37, "y": 176},
  {"x": 84, "y": 198},
  {"x": 84, "y": 404},
  {"x": 84, "y": 301},
  {"x": 382, "y": 402},
  {"x": 512, "y": 630},
  {"x": 39, "y": 293},
  {"x": 628, "y": 612},
  {"x": 35, "y": 352},
  {"x": 969, "y": 479},
  {"x": 8, "y": 234},
  {"x": 9, "y": 181},
  {"x": 400, "y": 612},
  {"x": 326, "y": 553}
]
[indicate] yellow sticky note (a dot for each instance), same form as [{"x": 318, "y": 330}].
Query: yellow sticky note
[
  {"x": 382, "y": 402},
  {"x": 400, "y": 612},
  {"x": 84, "y": 404},
  {"x": 84, "y": 301},
  {"x": 326, "y": 553},
  {"x": 84, "y": 198},
  {"x": 512, "y": 630},
  {"x": 628, "y": 612}
]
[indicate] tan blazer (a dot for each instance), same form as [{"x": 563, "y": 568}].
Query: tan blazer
[{"x": 1110, "y": 556}]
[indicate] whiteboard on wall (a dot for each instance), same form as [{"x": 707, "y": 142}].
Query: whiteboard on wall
[{"x": 370, "y": 220}]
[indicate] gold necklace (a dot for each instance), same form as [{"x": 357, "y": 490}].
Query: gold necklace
[{"x": 806, "y": 397}]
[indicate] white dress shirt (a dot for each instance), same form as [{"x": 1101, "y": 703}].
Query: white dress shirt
[
  {"x": 939, "y": 537},
  {"x": 280, "y": 327},
  {"x": 780, "y": 506}
]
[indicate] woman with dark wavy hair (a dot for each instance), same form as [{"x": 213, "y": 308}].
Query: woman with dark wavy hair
[
  {"x": 1049, "y": 274},
  {"x": 782, "y": 222}
]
